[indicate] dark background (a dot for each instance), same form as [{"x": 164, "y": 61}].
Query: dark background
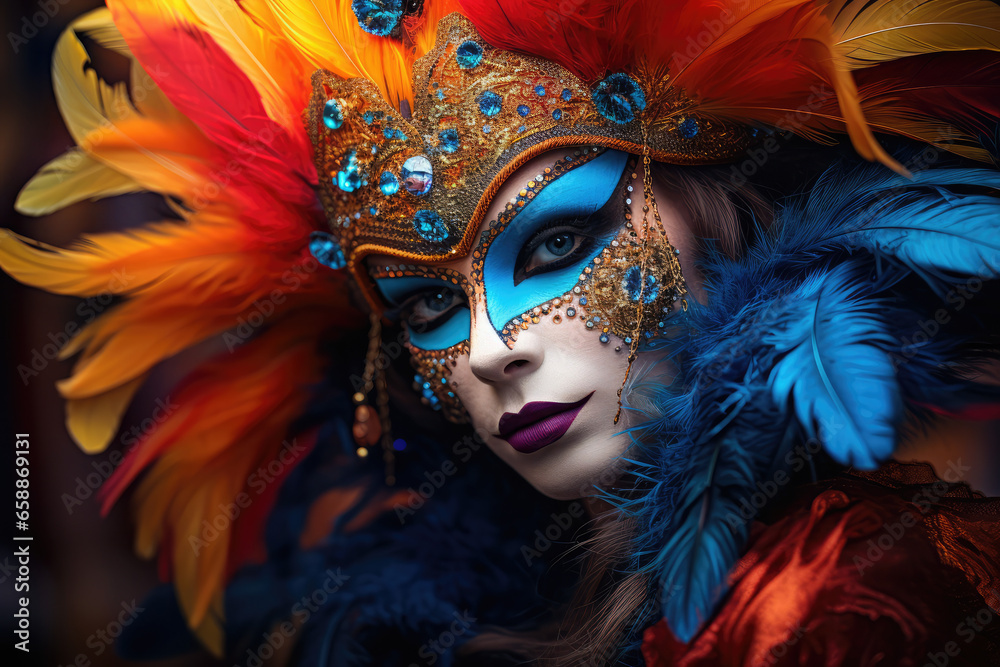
[{"x": 83, "y": 568}]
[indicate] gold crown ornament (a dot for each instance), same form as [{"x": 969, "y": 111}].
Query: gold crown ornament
[{"x": 416, "y": 185}]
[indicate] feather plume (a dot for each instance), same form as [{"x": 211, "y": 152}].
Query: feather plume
[
  {"x": 833, "y": 370},
  {"x": 71, "y": 177},
  {"x": 869, "y": 33},
  {"x": 238, "y": 244},
  {"x": 797, "y": 340},
  {"x": 328, "y": 35}
]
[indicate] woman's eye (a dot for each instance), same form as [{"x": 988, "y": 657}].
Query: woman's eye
[
  {"x": 426, "y": 309},
  {"x": 550, "y": 249}
]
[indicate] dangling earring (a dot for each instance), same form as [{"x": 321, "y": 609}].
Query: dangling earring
[
  {"x": 656, "y": 282},
  {"x": 371, "y": 425}
]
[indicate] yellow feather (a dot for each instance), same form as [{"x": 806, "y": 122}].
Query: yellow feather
[
  {"x": 892, "y": 29},
  {"x": 328, "y": 34},
  {"x": 93, "y": 422},
  {"x": 71, "y": 177},
  {"x": 98, "y": 26},
  {"x": 142, "y": 137}
]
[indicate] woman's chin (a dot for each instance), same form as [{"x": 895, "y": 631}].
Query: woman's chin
[{"x": 572, "y": 467}]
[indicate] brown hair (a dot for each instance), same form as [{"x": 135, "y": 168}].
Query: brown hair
[{"x": 606, "y": 607}]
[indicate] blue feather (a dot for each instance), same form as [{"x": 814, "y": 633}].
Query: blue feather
[
  {"x": 807, "y": 335},
  {"x": 835, "y": 371}
]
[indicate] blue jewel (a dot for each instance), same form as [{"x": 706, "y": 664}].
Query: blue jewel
[
  {"x": 350, "y": 179},
  {"x": 631, "y": 285},
  {"x": 619, "y": 97},
  {"x": 391, "y": 133},
  {"x": 399, "y": 444},
  {"x": 418, "y": 175},
  {"x": 583, "y": 301},
  {"x": 604, "y": 338},
  {"x": 468, "y": 54},
  {"x": 333, "y": 115},
  {"x": 523, "y": 110},
  {"x": 430, "y": 226},
  {"x": 489, "y": 103},
  {"x": 378, "y": 17},
  {"x": 540, "y": 90},
  {"x": 689, "y": 128},
  {"x": 327, "y": 250},
  {"x": 388, "y": 184},
  {"x": 372, "y": 210},
  {"x": 557, "y": 114},
  {"x": 440, "y": 94},
  {"x": 486, "y": 129},
  {"x": 522, "y": 128},
  {"x": 448, "y": 140},
  {"x": 369, "y": 117},
  {"x": 566, "y": 94}
]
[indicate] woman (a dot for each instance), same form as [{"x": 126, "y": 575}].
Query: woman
[{"x": 685, "y": 332}]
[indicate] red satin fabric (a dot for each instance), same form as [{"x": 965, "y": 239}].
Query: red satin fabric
[{"x": 894, "y": 567}]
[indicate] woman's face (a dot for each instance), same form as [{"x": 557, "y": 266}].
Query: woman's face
[{"x": 542, "y": 390}]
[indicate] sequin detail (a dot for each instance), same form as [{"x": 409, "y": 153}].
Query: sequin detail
[
  {"x": 378, "y": 17},
  {"x": 689, "y": 128},
  {"x": 350, "y": 178},
  {"x": 418, "y": 175},
  {"x": 618, "y": 98},
  {"x": 489, "y": 103},
  {"x": 388, "y": 184},
  {"x": 468, "y": 54},
  {"x": 326, "y": 250},
  {"x": 333, "y": 115},
  {"x": 448, "y": 140},
  {"x": 430, "y": 226}
]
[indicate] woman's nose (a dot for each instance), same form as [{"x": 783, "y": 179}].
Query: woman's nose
[{"x": 489, "y": 357}]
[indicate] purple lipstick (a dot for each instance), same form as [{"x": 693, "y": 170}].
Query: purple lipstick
[{"x": 539, "y": 423}]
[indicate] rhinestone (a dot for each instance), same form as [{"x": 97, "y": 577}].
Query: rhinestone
[
  {"x": 468, "y": 54},
  {"x": 417, "y": 175},
  {"x": 489, "y": 103},
  {"x": 333, "y": 115}
]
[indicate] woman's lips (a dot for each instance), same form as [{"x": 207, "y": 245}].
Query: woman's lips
[{"x": 539, "y": 423}]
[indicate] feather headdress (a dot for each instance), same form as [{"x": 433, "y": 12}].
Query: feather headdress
[{"x": 217, "y": 130}]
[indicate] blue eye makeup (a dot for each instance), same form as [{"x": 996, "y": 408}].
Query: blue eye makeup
[
  {"x": 435, "y": 311},
  {"x": 542, "y": 251},
  {"x": 535, "y": 254}
]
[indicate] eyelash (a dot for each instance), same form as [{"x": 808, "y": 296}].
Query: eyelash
[
  {"x": 598, "y": 222},
  {"x": 404, "y": 312}
]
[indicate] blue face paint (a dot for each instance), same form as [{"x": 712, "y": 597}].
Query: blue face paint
[
  {"x": 451, "y": 328},
  {"x": 577, "y": 194}
]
